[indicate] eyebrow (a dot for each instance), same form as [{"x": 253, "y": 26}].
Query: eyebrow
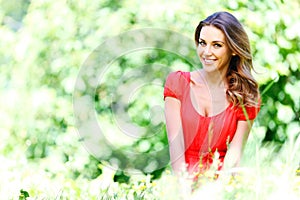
[{"x": 216, "y": 41}]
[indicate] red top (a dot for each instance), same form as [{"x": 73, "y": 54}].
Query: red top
[{"x": 198, "y": 140}]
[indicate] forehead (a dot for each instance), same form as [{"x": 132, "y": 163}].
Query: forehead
[{"x": 211, "y": 33}]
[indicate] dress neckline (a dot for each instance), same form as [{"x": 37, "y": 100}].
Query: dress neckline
[{"x": 195, "y": 110}]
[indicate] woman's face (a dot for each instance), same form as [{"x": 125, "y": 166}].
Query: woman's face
[{"x": 213, "y": 50}]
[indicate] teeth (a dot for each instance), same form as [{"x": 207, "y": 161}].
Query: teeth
[{"x": 208, "y": 61}]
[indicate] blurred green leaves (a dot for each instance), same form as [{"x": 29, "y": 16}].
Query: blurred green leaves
[{"x": 44, "y": 43}]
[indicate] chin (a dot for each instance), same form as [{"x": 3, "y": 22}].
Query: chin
[{"x": 210, "y": 68}]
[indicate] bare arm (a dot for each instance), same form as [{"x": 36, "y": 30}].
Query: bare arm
[
  {"x": 234, "y": 153},
  {"x": 175, "y": 134}
]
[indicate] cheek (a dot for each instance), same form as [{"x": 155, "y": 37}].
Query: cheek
[
  {"x": 199, "y": 50},
  {"x": 227, "y": 58},
  {"x": 224, "y": 55}
]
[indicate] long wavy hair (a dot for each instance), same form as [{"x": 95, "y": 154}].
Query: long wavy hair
[{"x": 242, "y": 87}]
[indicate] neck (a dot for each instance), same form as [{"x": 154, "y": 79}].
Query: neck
[{"x": 215, "y": 79}]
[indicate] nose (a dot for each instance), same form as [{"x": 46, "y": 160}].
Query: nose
[{"x": 207, "y": 50}]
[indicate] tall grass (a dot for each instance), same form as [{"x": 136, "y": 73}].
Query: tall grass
[{"x": 266, "y": 172}]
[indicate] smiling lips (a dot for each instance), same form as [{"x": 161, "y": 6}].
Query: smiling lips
[{"x": 208, "y": 61}]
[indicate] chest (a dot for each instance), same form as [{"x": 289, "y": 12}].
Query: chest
[
  {"x": 207, "y": 132},
  {"x": 207, "y": 101}
]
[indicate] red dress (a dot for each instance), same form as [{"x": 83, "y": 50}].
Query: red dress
[{"x": 203, "y": 135}]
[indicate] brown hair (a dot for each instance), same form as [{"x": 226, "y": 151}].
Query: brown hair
[{"x": 242, "y": 87}]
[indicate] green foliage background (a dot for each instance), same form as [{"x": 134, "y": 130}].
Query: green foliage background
[{"x": 44, "y": 43}]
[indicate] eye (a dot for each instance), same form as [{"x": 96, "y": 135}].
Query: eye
[
  {"x": 217, "y": 45},
  {"x": 202, "y": 43}
]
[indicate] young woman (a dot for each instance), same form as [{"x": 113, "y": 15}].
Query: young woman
[{"x": 212, "y": 109}]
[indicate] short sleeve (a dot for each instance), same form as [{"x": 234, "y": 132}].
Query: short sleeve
[
  {"x": 247, "y": 113},
  {"x": 175, "y": 84}
]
